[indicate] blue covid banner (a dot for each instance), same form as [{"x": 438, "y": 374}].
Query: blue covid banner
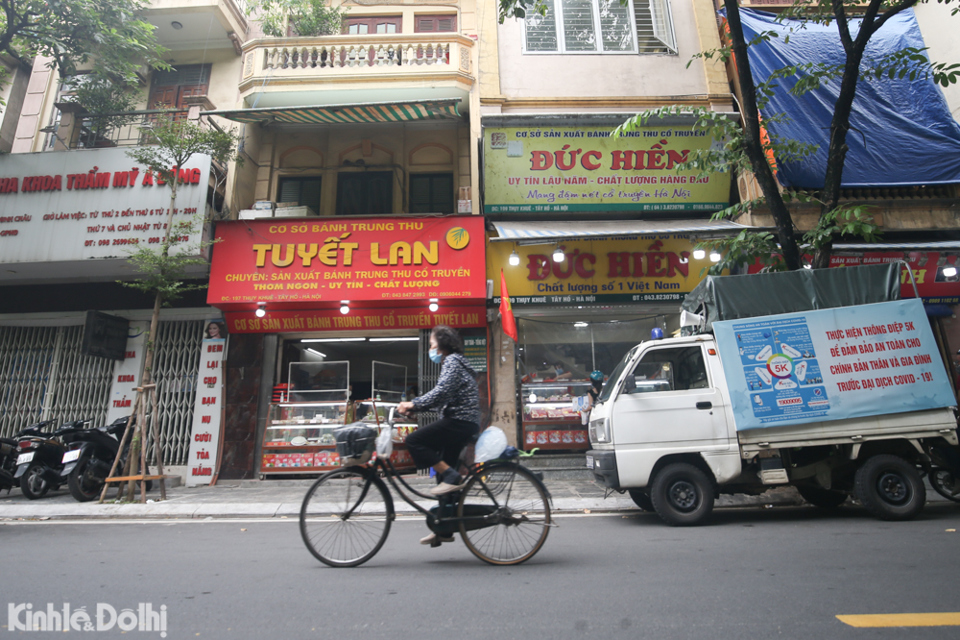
[{"x": 832, "y": 364}]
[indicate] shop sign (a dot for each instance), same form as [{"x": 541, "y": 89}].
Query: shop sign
[
  {"x": 832, "y": 364},
  {"x": 105, "y": 336},
  {"x": 356, "y": 320},
  {"x": 320, "y": 260},
  {"x": 925, "y": 265},
  {"x": 205, "y": 432},
  {"x": 654, "y": 268},
  {"x": 126, "y": 372},
  {"x": 548, "y": 169},
  {"x": 96, "y": 203},
  {"x": 475, "y": 351}
]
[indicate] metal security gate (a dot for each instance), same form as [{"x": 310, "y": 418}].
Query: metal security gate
[
  {"x": 43, "y": 376},
  {"x": 175, "y": 371}
]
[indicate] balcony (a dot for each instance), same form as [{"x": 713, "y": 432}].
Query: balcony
[
  {"x": 198, "y": 24},
  {"x": 371, "y": 67}
]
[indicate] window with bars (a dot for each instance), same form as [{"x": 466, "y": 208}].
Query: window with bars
[
  {"x": 601, "y": 26},
  {"x": 304, "y": 191},
  {"x": 431, "y": 193}
]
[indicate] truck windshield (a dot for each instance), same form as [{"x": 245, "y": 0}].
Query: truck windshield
[{"x": 615, "y": 375}]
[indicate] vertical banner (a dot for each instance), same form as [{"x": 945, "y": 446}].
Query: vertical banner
[
  {"x": 832, "y": 364},
  {"x": 205, "y": 433},
  {"x": 126, "y": 373}
]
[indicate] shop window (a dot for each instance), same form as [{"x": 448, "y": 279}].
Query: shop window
[
  {"x": 367, "y": 193},
  {"x": 431, "y": 193},
  {"x": 676, "y": 369},
  {"x": 303, "y": 191},
  {"x": 376, "y": 24},
  {"x": 435, "y": 24},
  {"x": 601, "y": 26}
]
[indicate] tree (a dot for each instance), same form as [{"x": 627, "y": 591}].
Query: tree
[
  {"x": 303, "y": 17},
  {"x": 174, "y": 142},
  {"x": 75, "y": 33},
  {"x": 749, "y": 147}
]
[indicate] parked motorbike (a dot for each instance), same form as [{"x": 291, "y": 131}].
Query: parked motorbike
[
  {"x": 9, "y": 452},
  {"x": 40, "y": 452},
  {"x": 88, "y": 461}
]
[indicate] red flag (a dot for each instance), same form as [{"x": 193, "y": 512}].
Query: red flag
[{"x": 506, "y": 311}]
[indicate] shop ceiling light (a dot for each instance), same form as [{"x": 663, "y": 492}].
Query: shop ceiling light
[
  {"x": 950, "y": 272},
  {"x": 261, "y": 309},
  {"x": 715, "y": 257},
  {"x": 433, "y": 304},
  {"x": 344, "y": 307},
  {"x": 333, "y": 340},
  {"x": 316, "y": 353},
  {"x": 176, "y": 25},
  {"x": 398, "y": 339},
  {"x": 699, "y": 254},
  {"x": 558, "y": 254},
  {"x": 581, "y": 324},
  {"x": 514, "y": 258}
]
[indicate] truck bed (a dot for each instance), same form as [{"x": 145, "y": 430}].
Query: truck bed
[{"x": 917, "y": 424}]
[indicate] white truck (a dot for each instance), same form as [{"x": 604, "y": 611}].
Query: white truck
[{"x": 835, "y": 401}]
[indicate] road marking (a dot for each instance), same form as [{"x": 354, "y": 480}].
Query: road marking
[{"x": 903, "y": 620}]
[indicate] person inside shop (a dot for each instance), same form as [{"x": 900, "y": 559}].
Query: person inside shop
[
  {"x": 559, "y": 372},
  {"x": 439, "y": 443}
]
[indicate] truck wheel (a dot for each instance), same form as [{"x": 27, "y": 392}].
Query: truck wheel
[
  {"x": 682, "y": 495},
  {"x": 820, "y": 497},
  {"x": 641, "y": 499},
  {"x": 890, "y": 488}
]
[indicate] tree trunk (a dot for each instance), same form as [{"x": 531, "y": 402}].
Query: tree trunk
[{"x": 754, "y": 146}]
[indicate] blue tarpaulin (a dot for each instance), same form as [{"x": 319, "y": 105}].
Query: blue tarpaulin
[{"x": 902, "y": 132}]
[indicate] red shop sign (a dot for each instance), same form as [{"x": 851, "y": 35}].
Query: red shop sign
[
  {"x": 289, "y": 262},
  {"x": 356, "y": 320}
]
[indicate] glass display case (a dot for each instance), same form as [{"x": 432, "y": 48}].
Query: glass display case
[
  {"x": 550, "y": 416},
  {"x": 300, "y": 432}
]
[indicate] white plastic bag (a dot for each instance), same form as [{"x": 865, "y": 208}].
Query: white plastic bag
[
  {"x": 491, "y": 444},
  {"x": 385, "y": 442}
]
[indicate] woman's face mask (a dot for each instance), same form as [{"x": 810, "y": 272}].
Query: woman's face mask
[{"x": 435, "y": 356}]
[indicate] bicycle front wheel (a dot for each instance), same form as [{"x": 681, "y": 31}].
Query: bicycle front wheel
[
  {"x": 345, "y": 517},
  {"x": 516, "y": 509}
]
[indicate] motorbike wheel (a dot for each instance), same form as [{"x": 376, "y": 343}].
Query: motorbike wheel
[
  {"x": 84, "y": 485},
  {"x": 32, "y": 483},
  {"x": 945, "y": 483}
]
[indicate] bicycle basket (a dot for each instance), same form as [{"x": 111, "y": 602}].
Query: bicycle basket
[{"x": 355, "y": 443}]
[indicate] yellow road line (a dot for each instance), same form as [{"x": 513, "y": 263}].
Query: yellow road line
[{"x": 902, "y": 620}]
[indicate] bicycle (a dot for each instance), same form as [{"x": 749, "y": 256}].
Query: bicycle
[{"x": 502, "y": 513}]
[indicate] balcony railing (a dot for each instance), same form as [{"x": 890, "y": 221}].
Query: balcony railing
[
  {"x": 298, "y": 59},
  {"x": 124, "y": 129}
]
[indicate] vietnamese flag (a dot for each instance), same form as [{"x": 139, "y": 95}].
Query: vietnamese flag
[{"x": 506, "y": 311}]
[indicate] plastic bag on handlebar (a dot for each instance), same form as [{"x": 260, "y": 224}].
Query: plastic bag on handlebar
[
  {"x": 385, "y": 442},
  {"x": 492, "y": 442}
]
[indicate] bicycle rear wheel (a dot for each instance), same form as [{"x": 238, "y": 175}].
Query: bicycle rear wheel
[
  {"x": 345, "y": 517},
  {"x": 520, "y": 509}
]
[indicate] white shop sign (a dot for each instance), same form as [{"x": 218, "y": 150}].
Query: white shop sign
[
  {"x": 94, "y": 203},
  {"x": 126, "y": 373},
  {"x": 205, "y": 434}
]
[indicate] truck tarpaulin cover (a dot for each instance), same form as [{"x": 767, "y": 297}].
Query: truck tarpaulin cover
[
  {"x": 832, "y": 364},
  {"x": 762, "y": 294},
  {"x": 902, "y": 132}
]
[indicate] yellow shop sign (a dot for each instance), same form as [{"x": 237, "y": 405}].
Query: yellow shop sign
[
  {"x": 648, "y": 268},
  {"x": 548, "y": 169}
]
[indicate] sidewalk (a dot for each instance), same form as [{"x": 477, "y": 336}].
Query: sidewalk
[{"x": 281, "y": 499}]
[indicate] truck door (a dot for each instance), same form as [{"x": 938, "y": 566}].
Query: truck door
[{"x": 669, "y": 402}]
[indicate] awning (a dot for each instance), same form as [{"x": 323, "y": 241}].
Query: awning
[
  {"x": 547, "y": 230},
  {"x": 360, "y": 113}
]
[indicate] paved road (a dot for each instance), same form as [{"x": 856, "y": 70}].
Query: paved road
[{"x": 783, "y": 572}]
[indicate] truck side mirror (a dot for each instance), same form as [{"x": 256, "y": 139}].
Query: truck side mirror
[{"x": 630, "y": 384}]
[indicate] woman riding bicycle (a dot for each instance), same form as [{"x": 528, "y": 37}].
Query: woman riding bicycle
[{"x": 439, "y": 443}]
